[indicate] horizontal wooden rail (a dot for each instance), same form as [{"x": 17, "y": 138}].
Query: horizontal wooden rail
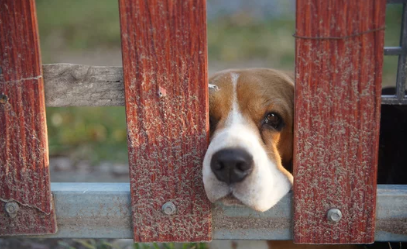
[
  {"x": 102, "y": 210},
  {"x": 82, "y": 85}
]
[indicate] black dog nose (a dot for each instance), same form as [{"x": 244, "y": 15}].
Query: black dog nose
[{"x": 231, "y": 165}]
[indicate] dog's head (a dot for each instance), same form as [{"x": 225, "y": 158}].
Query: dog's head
[{"x": 251, "y": 124}]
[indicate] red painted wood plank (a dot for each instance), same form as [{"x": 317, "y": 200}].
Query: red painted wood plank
[
  {"x": 165, "y": 74},
  {"x": 24, "y": 173},
  {"x": 337, "y": 112}
]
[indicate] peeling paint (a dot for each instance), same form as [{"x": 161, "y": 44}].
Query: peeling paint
[
  {"x": 166, "y": 107},
  {"x": 337, "y": 107},
  {"x": 24, "y": 173}
]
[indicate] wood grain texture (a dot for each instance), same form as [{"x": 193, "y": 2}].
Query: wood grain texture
[
  {"x": 24, "y": 173},
  {"x": 337, "y": 112},
  {"x": 82, "y": 85},
  {"x": 165, "y": 75}
]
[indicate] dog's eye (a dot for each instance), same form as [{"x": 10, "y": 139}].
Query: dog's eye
[{"x": 273, "y": 120}]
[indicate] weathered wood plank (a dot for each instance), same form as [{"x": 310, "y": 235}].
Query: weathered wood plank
[
  {"x": 165, "y": 75},
  {"x": 82, "y": 85},
  {"x": 25, "y": 195},
  {"x": 337, "y": 115}
]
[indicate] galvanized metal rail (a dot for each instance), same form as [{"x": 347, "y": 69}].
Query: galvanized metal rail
[{"x": 102, "y": 210}]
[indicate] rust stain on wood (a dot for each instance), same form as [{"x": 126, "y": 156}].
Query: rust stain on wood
[
  {"x": 24, "y": 173},
  {"x": 164, "y": 51},
  {"x": 337, "y": 112}
]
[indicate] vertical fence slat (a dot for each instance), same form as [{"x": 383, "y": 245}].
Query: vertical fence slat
[
  {"x": 24, "y": 174},
  {"x": 337, "y": 112},
  {"x": 165, "y": 75}
]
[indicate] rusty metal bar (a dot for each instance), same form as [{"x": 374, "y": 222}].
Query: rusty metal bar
[
  {"x": 102, "y": 210},
  {"x": 393, "y": 50},
  {"x": 399, "y": 98},
  {"x": 393, "y": 100},
  {"x": 396, "y": 1},
  {"x": 401, "y": 70}
]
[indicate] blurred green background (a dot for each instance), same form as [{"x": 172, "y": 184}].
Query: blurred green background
[{"x": 88, "y": 32}]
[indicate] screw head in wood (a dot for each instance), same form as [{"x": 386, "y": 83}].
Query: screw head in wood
[
  {"x": 334, "y": 215},
  {"x": 3, "y": 98},
  {"x": 169, "y": 208},
  {"x": 12, "y": 208}
]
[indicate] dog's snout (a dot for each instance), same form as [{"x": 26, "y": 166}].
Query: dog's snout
[{"x": 231, "y": 165}]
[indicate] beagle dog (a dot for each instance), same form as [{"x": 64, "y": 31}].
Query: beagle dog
[{"x": 249, "y": 157}]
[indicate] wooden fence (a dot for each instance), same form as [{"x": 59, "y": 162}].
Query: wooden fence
[{"x": 163, "y": 84}]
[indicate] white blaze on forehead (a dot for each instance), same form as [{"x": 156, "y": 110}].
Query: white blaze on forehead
[
  {"x": 235, "y": 116},
  {"x": 266, "y": 185}
]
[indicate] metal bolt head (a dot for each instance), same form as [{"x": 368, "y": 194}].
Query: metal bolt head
[
  {"x": 334, "y": 215},
  {"x": 3, "y": 98},
  {"x": 12, "y": 208},
  {"x": 169, "y": 208}
]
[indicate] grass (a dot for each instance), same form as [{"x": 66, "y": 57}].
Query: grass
[
  {"x": 171, "y": 246},
  {"x": 110, "y": 244},
  {"x": 88, "y": 133},
  {"x": 97, "y": 134},
  {"x": 78, "y": 24}
]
